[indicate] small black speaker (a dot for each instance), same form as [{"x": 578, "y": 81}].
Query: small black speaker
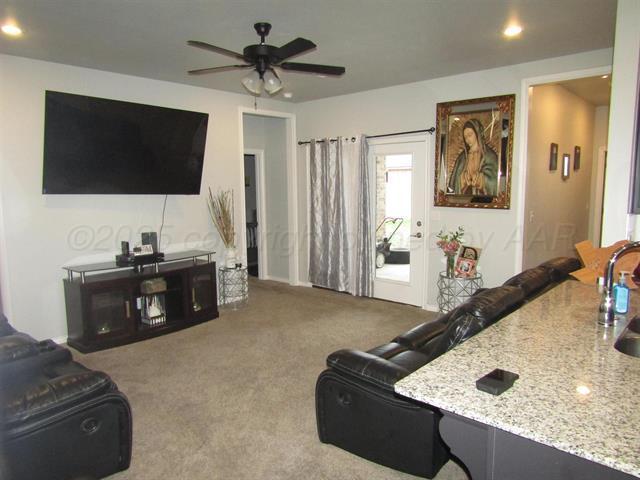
[
  {"x": 150, "y": 238},
  {"x": 125, "y": 248}
]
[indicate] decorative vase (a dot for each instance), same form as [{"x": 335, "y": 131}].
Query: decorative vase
[
  {"x": 451, "y": 260},
  {"x": 231, "y": 257}
]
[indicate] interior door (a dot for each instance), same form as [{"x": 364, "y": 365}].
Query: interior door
[{"x": 400, "y": 185}]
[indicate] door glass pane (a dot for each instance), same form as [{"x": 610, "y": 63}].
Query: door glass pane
[
  {"x": 202, "y": 293},
  {"x": 393, "y": 216},
  {"x": 108, "y": 312}
]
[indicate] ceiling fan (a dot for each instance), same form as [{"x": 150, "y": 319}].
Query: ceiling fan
[{"x": 262, "y": 58}]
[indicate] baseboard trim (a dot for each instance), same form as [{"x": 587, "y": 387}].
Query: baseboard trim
[
  {"x": 432, "y": 308},
  {"x": 276, "y": 279},
  {"x": 305, "y": 284}
]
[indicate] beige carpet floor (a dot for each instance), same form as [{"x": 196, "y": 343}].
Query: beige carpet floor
[{"x": 234, "y": 398}]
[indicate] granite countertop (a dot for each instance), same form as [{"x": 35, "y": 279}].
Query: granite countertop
[{"x": 556, "y": 346}]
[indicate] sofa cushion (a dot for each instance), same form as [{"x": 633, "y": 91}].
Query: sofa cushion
[
  {"x": 410, "y": 360},
  {"x": 16, "y": 346},
  {"x": 531, "y": 281},
  {"x": 57, "y": 387},
  {"x": 561, "y": 267},
  {"x": 460, "y": 328},
  {"x": 493, "y": 303},
  {"x": 387, "y": 350},
  {"x": 422, "y": 333},
  {"x": 476, "y": 314},
  {"x": 29, "y": 359}
]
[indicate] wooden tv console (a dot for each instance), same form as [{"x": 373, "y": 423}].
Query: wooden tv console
[{"x": 105, "y": 302}]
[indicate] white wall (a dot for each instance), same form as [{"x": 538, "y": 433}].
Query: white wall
[
  {"x": 39, "y": 234},
  {"x": 269, "y": 134},
  {"x": 412, "y": 107},
  {"x": 557, "y": 210},
  {"x": 624, "y": 100}
]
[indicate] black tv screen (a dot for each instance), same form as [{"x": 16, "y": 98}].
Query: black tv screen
[{"x": 100, "y": 146}]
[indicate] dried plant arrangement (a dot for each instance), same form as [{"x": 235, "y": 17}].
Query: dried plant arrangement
[{"x": 221, "y": 211}]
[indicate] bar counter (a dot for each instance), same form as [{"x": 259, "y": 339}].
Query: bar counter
[{"x": 576, "y": 392}]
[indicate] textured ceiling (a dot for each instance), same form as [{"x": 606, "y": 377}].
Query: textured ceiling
[{"x": 380, "y": 42}]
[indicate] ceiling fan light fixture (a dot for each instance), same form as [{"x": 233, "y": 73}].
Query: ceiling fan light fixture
[
  {"x": 253, "y": 82},
  {"x": 272, "y": 84},
  {"x": 262, "y": 59}
]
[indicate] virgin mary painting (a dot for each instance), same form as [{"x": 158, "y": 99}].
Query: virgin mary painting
[
  {"x": 473, "y": 152},
  {"x": 475, "y": 171}
]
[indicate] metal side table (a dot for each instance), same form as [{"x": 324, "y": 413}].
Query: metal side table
[
  {"x": 234, "y": 287},
  {"x": 455, "y": 291}
]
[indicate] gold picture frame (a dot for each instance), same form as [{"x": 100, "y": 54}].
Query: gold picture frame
[{"x": 474, "y": 150}]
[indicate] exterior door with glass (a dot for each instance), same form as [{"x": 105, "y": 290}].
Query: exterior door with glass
[{"x": 400, "y": 186}]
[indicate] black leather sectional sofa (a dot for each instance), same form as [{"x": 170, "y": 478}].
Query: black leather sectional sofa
[
  {"x": 58, "y": 419},
  {"x": 356, "y": 407}
]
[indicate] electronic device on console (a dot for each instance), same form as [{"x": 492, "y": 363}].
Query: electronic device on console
[{"x": 144, "y": 254}]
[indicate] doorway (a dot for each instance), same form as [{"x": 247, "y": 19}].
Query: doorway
[
  {"x": 253, "y": 189},
  {"x": 566, "y": 155},
  {"x": 269, "y": 138},
  {"x": 399, "y": 220}
]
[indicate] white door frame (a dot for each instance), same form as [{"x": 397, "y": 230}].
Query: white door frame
[
  {"x": 526, "y": 84},
  {"x": 292, "y": 190},
  {"x": 258, "y": 156},
  {"x": 423, "y": 243},
  {"x": 598, "y": 200}
]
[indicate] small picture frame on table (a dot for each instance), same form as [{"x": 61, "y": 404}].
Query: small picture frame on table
[
  {"x": 467, "y": 262},
  {"x": 553, "y": 157}
]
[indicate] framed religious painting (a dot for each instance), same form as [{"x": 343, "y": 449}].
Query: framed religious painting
[{"x": 473, "y": 153}]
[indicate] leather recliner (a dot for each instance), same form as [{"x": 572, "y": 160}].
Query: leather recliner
[
  {"x": 356, "y": 407},
  {"x": 59, "y": 420}
]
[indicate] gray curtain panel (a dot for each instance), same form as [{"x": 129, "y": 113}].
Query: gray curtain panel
[
  {"x": 328, "y": 260},
  {"x": 364, "y": 266},
  {"x": 341, "y": 239}
]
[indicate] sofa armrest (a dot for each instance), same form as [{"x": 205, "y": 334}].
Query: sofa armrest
[{"x": 367, "y": 367}]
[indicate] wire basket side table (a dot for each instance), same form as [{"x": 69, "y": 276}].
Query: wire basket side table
[
  {"x": 455, "y": 291},
  {"x": 234, "y": 286}
]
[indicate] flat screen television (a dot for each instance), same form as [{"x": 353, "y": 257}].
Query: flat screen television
[{"x": 100, "y": 146}]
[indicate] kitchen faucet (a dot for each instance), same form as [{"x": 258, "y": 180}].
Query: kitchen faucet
[{"x": 606, "y": 314}]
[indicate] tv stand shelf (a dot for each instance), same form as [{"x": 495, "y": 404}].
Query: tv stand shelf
[{"x": 106, "y": 307}]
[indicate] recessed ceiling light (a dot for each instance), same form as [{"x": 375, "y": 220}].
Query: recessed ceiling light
[
  {"x": 287, "y": 94},
  {"x": 512, "y": 30},
  {"x": 11, "y": 29}
]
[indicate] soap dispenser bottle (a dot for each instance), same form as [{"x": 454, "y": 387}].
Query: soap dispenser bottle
[{"x": 621, "y": 295}]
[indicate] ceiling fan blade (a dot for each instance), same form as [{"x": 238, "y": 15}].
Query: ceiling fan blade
[
  {"x": 294, "y": 47},
  {"x": 312, "y": 68},
  {"x": 213, "y": 48},
  {"x": 225, "y": 68}
]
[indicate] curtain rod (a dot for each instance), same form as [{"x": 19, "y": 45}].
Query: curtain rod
[{"x": 353, "y": 139}]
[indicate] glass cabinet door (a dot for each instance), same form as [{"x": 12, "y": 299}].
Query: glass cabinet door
[
  {"x": 109, "y": 312},
  {"x": 204, "y": 298}
]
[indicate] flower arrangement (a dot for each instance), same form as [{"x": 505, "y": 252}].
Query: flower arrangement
[
  {"x": 221, "y": 211},
  {"x": 450, "y": 242}
]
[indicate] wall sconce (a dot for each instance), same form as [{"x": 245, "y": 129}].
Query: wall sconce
[{"x": 566, "y": 160}]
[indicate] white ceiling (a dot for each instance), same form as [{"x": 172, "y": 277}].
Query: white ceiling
[
  {"x": 595, "y": 90},
  {"x": 380, "y": 42}
]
